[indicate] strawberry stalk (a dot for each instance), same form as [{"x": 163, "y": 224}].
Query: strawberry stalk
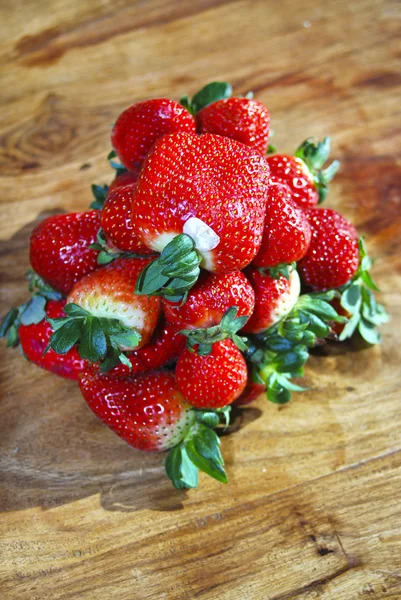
[
  {"x": 314, "y": 155},
  {"x": 198, "y": 451},
  {"x": 358, "y": 299},
  {"x": 172, "y": 274},
  {"x": 281, "y": 352}
]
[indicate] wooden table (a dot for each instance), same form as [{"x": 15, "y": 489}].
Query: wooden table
[{"x": 312, "y": 509}]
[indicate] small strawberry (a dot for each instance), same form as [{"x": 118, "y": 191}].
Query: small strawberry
[
  {"x": 199, "y": 199},
  {"x": 287, "y": 232},
  {"x": 303, "y": 172},
  {"x": 60, "y": 250},
  {"x": 241, "y": 119},
  {"x": 333, "y": 257},
  {"x": 105, "y": 317},
  {"x": 123, "y": 179},
  {"x": 274, "y": 299},
  {"x": 204, "y": 317},
  {"x": 165, "y": 345},
  {"x": 140, "y": 125},
  {"x": 116, "y": 221},
  {"x": 101, "y": 192},
  {"x": 150, "y": 414},
  {"x": 212, "y": 381},
  {"x": 254, "y": 388}
]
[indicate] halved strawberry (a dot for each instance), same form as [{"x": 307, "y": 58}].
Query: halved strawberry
[
  {"x": 60, "y": 250},
  {"x": 274, "y": 298},
  {"x": 140, "y": 125},
  {"x": 199, "y": 199},
  {"x": 212, "y": 381}
]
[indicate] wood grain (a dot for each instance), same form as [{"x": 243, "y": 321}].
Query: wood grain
[{"x": 312, "y": 508}]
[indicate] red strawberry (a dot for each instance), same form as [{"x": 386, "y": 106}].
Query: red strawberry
[
  {"x": 59, "y": 249},
  {"x": 165, "y": 345},
  {"x": 210, "y": 188},
  {"x": 117, "y": 223},
  {"x": 274, "y": 299},
  {"x": 333, "y": 256},
  {"x": 212, "y": 381},
  {"x": 287, "y": 232},
  {"x": 138, "y": 128},
  {"x": 210, "y": 299},
  {"x": 149, "y": 412},
  {"x": 252, "y": 392},
  {"x": 123, "y": 179},
  {"x": 241, "y": 119},
  {"x": 303, "y": 172},
  {"x": 35, "y": 337}
]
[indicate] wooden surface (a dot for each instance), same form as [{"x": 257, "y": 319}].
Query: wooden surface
[{"x": 312, "y": 510}]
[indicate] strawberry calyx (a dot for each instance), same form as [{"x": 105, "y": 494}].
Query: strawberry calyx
[
  {"x": 108, "y": 252},
  {"x": 100, "y": 194},
  {"x": 173, "y": 273},
  {"x": 31, "y": 312},
  {"x": 283, "y": 269},
  {"x": 198, "y": 451},
  {"x": 314, "y": 155},
  {"x": 280, "y": 352},
  {"x": 98, "y": 339},
  {"x": 118, "y": 167},
  {"x": 212, "y": 92},
  {"x": 358, "y": 299},
  {"x": 204, "y": 338}
]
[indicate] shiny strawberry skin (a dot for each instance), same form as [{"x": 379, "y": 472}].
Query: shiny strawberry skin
[
  {"x": 293, "y": 172},
  {"x": 210, "y": 299},
  {"x": 287, "y": 232},
  {"x": 122, "y": 179},
  {"x": 116, "y": 220},
  {"x": 212, "y": 381},
  {"x": 333, "y": 256},
  {"x": 109, "y": 292},
  {"x": 241, "y": 119},
  {"x": 59, "y": 248},
  {"x": 35, "y": 338},
  {"x": 140, "y": 125},
  {"x": 148, "y": 412},
  {"x": 274, "y": 299},
  {"x": 217, "y": 180},
  {"x": 165, "y": 345}
]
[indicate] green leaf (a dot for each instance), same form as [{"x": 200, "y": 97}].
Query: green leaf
[
  {"x": 318, "y": 307},
  {"x": 74, "y": 310},
  {"x": 368, "y": 332},
  {"x": 368, "y": 281},
  {"x": 271, "y": 149},
  {"x": 57, "y": 323},
  {"x": 316, "y": 325},
  {"x": 349, "y": 327},
  {"x": 124, "y": 360},
  {"x": 203, "y": 450},
  {"x": 8, "y": 321},
  {"x": 93, "y": 345},
  {"x": 180, "y": 469},
  {"x": 278, "y": 395},
  {"x": 66, "y": 336},
  {"x": 351, "y": 298},
  {"x": 34, "y": 311},
  {"x": 287, "y": 384},
  {"x": 12, "y": 337},
  {"x": 292, "y": 360},
  {"x": 100, "y": 194},
  {"x": 128, "y": 339},
  {"x": 112, "y": 154},
  {"x": 111, "y": 360},
  {"x": 212, "y": 92},
  {"x": 210, "y": 418}
]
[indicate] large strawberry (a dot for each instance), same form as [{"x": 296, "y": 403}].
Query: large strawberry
[
  {"x": 199, "y": 199},
  {"x": 105, "y": 317},
  {"x": 287, "y": 232},
  {"x": 241, "y": 119},
  {"x": 60, "y": 250},
  {"x": 216, "y": 308},
  {"x": 164, "y": 346},
  {"x": 151, "y": 414},
  {"x": 303, "y": 172},
  {"x": 333, "y": 257},
  {"x": 140, "y": 125},
  {"x": 274, "y": 298},
  {"x": 212, "y": 381}
]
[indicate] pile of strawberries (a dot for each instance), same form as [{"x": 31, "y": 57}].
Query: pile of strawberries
[{"x": 202, "y": 277}]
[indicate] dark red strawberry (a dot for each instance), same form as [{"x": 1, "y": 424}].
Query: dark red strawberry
[
  {"x": 274, "y": 299},
  {"x": 164, "y": 346},
  {"x": 241, "y": 119},
  {"x": 213, "y": 190},
  {"x": 123, "y": 179},
  {"x": 140, "y": 125},
  {"x": 60, "y": 250},
  {"x": 212, "y": 381},
  {"x": 303, "y": 172},
  {"x": 287, "y": 232},
  {"x": 35, "y": 337},
  {"x": 252, "y": 392},
  {"x": 333, "y": 256},
  {"x": 116, "y": 221},
  {"x": 148, "y": 412}
]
